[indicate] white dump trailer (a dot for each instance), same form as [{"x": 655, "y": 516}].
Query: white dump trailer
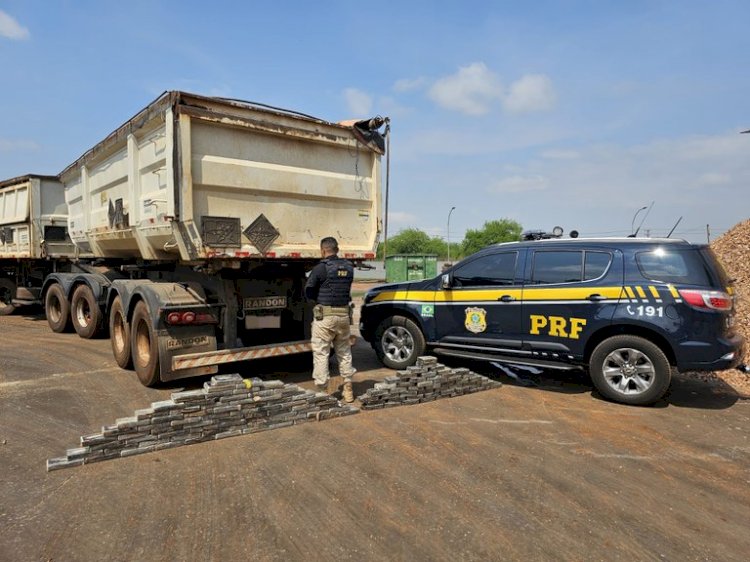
[
  {"x": 192, "y": 178},
  {"x": 33, "y": 237},
  {"x": 202, "y": 217}
]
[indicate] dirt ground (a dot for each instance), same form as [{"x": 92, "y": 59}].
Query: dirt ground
[{"x": 542, "y": 472}]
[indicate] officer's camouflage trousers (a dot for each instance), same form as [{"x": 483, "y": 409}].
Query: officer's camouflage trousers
[{"x": 331, "y": 331}]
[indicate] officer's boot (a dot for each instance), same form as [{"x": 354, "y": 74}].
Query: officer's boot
[
  {"x": 348, "y": 393},
  {"x": 322, "y": 387}
]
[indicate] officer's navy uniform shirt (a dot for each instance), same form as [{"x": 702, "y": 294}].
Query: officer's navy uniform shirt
[{"x": 330, "y": 282}]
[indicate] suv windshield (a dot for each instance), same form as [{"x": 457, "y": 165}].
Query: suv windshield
[{"x": 675, "y": 266}]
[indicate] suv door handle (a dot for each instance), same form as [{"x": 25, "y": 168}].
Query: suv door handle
[
  {"x": 506, "y": 298},
  {"x": 596, "y": 297}
]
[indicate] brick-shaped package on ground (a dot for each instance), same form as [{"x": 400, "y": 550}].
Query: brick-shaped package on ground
[
  {"x": 226, "y": 406},
  {"x": 426, "y": 381}
]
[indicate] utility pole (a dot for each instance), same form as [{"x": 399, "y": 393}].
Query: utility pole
[
  {"x": 387, "y": 183},
  {"x": 448, "y": 236}
]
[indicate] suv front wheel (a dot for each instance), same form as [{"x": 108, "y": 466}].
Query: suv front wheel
[
  {"x": 398, "y": 342},
  {"x": 630, "y": 369}
]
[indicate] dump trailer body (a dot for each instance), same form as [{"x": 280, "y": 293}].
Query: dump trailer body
[
  {"x": 33, "y": 219},
  {"x": 34, "y": 238},
  {"x": 192, "y": 178}
]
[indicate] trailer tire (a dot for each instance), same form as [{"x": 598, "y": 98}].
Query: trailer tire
[
  {"x": 144, "y": 346},
  {"x": 119, "y": 334},
  {"x": 85, "y": 313},
  {"x": 57, "y": 309},
  {"x": 7, "y": 293}
]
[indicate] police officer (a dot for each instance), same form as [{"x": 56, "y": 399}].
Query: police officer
[{"x": 329, "y": 285}]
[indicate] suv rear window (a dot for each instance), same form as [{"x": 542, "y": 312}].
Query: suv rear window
[
  {"x": 721, "y": 274},
  {"x": 674, "y": 266},
  {"x": 595, "y": 264},
  {"x": 566, "y": 266}
]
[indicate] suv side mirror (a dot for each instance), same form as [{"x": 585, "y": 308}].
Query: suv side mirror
[{"x": 445, "y": 281}]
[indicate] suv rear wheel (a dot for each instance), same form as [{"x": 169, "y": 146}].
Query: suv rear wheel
[
  {"x": 630, "y": 369},
  {"x": 398, "y": 342}
]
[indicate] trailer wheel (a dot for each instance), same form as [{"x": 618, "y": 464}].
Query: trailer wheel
[
  {"x": 144, "y": 346},
  {"x": 57, "y": 309},
  {"x": 119, "y": 334},
  {"x": 7, "y": 293},
  {"x": 85, "y": 313}
]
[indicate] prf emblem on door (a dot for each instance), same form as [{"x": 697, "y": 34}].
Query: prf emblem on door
[{"x": 476, "y": 319}]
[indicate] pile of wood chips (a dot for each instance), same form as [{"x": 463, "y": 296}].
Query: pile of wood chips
[{"x": 733, "y": 250}]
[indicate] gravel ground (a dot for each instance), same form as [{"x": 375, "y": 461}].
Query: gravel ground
[{"x": 733, "y": 249}]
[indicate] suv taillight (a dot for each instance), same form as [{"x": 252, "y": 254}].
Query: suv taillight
[{"x": 714, "y": 300}]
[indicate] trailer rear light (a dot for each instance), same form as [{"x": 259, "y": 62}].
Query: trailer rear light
[
  {"x": 205, "y": 318},
  {"x": 190, "y": 317},
  {"x": 369, "y": 256},
  {"x": 714, "y": 300}
]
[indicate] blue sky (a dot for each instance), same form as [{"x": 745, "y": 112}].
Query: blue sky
[{"x": 565, "y": 112}]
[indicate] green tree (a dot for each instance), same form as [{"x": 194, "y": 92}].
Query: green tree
[
  {"x": 408, "y": 241},
  {"x": 493, "y": 232},
  {"x": 437, "y": 246},
  {"x": 415, "y": 241}
]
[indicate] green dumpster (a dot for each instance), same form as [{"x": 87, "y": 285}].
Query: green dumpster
[{"x": 410, "y": 267}]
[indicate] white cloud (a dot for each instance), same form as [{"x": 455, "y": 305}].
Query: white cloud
[
  {"x": 472, "y": 90},
  {"x": 532, "y": 92},
  {"x": 713, "y": 179},
  {"x": 409, "y": 84},
  {"x": 519, "y": 184},
  {"x": 11, "y": 29},
  {"x": 7, "y": 145},
  {"x": 401, "y": 218},
  {"x": 475, "y": 89},
  {"x": 358, "y": 102}
]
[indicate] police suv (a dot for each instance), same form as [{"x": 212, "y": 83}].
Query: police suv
[{"x": 629, "y": 310}]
